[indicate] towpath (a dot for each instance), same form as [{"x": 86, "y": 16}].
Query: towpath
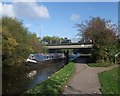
[{"x": 85, "y": 80}]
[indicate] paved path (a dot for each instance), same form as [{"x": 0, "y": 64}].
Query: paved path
[{"x": 85, "y": 80}]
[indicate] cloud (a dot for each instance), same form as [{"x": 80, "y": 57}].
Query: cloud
[
  {"x": 24, "y": 0},
  {"x": 75, "y": 17},
  {"x": 28, "y": 25},
  {"x": 7, "y": 10},
  {"x": 29, "y": 10}
]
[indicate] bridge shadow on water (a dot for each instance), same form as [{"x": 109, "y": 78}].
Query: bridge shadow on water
[{"x": 81, "y": 60}]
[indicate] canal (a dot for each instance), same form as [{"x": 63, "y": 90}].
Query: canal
[{"x": 16, "y": 79}]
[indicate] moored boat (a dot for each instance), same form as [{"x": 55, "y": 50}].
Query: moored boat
[{"x": 37, "y": 58}]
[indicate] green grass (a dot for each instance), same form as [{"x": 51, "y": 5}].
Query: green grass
[
  {"x": 105, "y": 64},
  {"x": 110, "y": 81},
  {"x": 54, "y": 85}
]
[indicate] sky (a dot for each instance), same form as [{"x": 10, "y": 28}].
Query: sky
[{"x": 58, "y": 18}]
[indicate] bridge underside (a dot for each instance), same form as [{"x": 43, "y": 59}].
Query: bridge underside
[{"x": 75, "y": 51}]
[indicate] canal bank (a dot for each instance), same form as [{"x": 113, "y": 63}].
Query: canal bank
[{"x": 55, "y": 84}]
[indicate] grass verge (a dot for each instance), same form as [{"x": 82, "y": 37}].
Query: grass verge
[
  {"x": 110, "y": 81},
  {"x": 104, "y": 64},
  {"x": 54, "y": 85}
]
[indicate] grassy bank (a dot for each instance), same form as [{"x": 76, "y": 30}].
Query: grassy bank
[
  {"x": 54, "y": 84},
  {"x": 104, "y": 64},
  {"x": 110, "y": 81}
]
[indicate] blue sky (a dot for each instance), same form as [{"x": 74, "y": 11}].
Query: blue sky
[{"x": 58, "y": 19}]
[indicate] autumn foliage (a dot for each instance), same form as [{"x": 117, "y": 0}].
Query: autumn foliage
[
  {"x": 103, "y": 34},
  {"x": 17, "y": 41}
]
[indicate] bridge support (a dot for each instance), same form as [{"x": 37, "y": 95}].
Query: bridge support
[{"x": 55, "y": 51}]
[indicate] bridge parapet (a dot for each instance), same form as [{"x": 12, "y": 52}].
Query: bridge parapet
[
  {"x": 80, "y": 43},
  {"x": 70, "y": 46}
]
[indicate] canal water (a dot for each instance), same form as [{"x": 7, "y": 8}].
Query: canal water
[{"x": 16, "y": 79}]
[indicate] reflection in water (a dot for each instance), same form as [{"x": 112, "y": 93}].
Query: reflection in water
[
  {"x": 32, "y": 73},
  {"x": 16, "y": 81},
  {"x": 44, "y": 73}
]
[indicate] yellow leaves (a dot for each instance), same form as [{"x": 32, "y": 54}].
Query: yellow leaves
[
  {"x": 9, "y": 43},
  {"x": 5, "y": 32},
  {"x": 17, "y": 41},
  {"x": 31, "y": 49},
  {"x": 12, "y": 42}
]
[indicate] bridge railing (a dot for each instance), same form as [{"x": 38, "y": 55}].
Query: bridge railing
[
  {"x": 73, "y": 41},
  {"x": 80, "y": 43}
]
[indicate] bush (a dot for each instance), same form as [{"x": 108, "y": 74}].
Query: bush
[{"x": 104, "y": 64}]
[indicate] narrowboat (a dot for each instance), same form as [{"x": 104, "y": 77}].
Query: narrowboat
[{"x": 37, "y": 58}]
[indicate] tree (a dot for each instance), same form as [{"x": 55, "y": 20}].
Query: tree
[
  {"x": 65, "y": 41},
  {"x": 17, "y": 41},
  {"x": 52, "y": 40},
  {"x": 103, "y": 34}
]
